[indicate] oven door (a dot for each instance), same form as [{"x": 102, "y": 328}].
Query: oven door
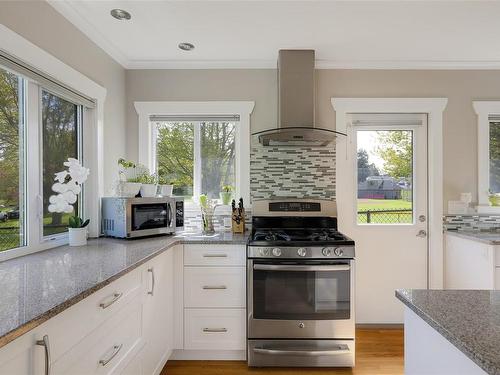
[
  {"x": 300, "y": 299},
  {"x": 150, "y": 218}
]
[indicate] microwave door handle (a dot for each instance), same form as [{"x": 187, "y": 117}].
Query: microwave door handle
[
  {"x": 169, "y": 214},
  {"x": 302, "y": 268},
  {"x": 172, "y": 215}
]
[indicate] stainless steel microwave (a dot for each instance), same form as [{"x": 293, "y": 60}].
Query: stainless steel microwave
[{"x": 139, "y": 217}]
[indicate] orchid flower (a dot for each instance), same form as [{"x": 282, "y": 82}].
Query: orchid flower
[{"x": 68, "y": 189}]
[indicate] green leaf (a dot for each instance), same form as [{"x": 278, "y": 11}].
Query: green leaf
[{"x": 85, "y": 223}]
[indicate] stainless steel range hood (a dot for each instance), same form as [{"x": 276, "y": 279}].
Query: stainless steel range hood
[{"x": 296, "y": 125}]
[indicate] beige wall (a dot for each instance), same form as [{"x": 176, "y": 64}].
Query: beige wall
[
  {"x": 38, "y": 22},
  {"x": 461, "y": 87}
]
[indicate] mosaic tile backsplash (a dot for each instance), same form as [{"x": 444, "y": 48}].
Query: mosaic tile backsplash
[
  {"x": 472, "y": 222},
  {"x": 192, "y": 220},
  {"x": 298, "y": 172}
]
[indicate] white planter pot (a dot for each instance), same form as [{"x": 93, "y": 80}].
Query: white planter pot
[
  {"x": 148, "y": 190},
  {"x": 128, "y": 189},
  {"x": 165, "y": 190},
  {"x": 77, "y": 236}
]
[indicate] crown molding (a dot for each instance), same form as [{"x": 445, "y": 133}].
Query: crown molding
[{"x": 67, "y": 10}]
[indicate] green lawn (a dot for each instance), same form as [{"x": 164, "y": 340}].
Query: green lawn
[
  {"x": 404, "y": 216},
  {"x": 9, "y": 231}
]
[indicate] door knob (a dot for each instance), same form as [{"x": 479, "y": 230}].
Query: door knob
[{"x": 422, "y": 233}]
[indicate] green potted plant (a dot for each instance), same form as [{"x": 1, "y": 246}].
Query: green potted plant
[
  {"x": 226, "y": 194},
  {"x": 67, "y": 187},
  {"x": 165, "y": 188},
  {"x": 148, "y": 185},
  {"x": 128, "y": 185},
  {"x": 494, "y": 198}
]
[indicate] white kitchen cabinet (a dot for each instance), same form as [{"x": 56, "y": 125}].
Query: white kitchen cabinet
[
  {"x": 158, "y": 311},
  {"x": 471, "y": 264},
  {"x": 214, "y": 301},
  {"x": 214, "y": 287},
  {"x": 22, "y": 356}
]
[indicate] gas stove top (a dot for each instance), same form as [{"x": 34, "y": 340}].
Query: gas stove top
[{"x": 298, "y": 237}]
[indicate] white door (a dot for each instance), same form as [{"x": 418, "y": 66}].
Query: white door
[{"x": 382, "y": 203}]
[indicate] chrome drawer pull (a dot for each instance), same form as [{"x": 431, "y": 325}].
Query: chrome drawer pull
[
  {"x": 341, "y": 349},
  {"x": 214, "y": 330},
  {"x": 116, "y": 297},
  {"x": 214, "y": 255},
  {"x": 152, "y": 281},
  {"x": 45, "y": 343},
  {"x": 116, "y": 350},
  {"x": 214, "y": 287}
]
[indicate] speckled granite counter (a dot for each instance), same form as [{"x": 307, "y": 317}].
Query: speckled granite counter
[
  {"x": 490, "y": 238},
  {"x": 469, "y": 319},
  {"x": 39, "y": 286}
]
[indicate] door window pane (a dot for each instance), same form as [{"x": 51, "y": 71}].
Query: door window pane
[
  {"x": 217, "y": 157},
  {"x": 11, "y": 161},
  {"x": 175, "y": 157},
  {"x": 60, "y": 142},
  {"x": 385, "y": 176},
  {"x": 495, "y": 157}
]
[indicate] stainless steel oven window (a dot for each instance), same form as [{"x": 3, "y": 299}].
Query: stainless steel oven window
[{"x": 306, "y": 291}]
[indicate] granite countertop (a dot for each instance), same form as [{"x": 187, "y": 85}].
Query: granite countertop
[
  {"x": 469, "y": 319},
  {"x": 38, "y": 286},
  {"x": 490, "y": 238}
]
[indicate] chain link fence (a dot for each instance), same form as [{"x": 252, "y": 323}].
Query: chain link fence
[
  {"x": 397, "y": 216},
  {"x": 9, "y": 237}
]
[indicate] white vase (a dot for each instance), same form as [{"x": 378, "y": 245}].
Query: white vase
[
  {"x": 165, "y": 190},
  {"x": 128, "y": 189},
  {"x": 77, "y": 236},
  {"x": 148, "y": 190}
]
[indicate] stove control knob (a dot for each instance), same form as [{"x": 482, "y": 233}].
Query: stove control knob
[
  {"x": 264, "y": 252},
  {"x": 327, "y": 251},
  {"x": 301, "y": 252},
  {"x": 276, "y": 251},
  {"x": 338, "y": 252}
]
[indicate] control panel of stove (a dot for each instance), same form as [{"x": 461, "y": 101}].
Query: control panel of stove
[{"x": 301, "y": 252}]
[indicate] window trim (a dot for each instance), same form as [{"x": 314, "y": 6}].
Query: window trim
[
  {"x": 19, "y": 47},
  {"x": 180, "y": 108},
  {"x": 484, "y": 109}
]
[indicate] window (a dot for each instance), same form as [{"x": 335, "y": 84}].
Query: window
[
  {"x": 12, "y": 176},
  {"x": 60, "y": 129},
  {"x": 488, "y": 146},
  {"x": 494, "y": 147},
  {"x": 385, "y": 176},
  {"x": 197, "y": 157}
]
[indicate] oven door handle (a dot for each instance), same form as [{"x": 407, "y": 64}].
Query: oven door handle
[
  {"x": 341, "y": 349},
  {"x": 302, "y": 268}
]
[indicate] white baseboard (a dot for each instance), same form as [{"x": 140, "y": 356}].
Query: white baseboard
[{"x": 209, "y": 355}]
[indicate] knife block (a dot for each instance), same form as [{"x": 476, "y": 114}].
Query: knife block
[{"x": 238, "y": 221}]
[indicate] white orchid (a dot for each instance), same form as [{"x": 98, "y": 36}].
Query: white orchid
[{"x": 67, "y": 189}]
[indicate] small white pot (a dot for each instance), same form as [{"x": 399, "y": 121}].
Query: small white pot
[
  {"x": 77, "y": 236},
  {"x": 165, "y": 190},
  {"x": 128, "y": 189},
  {"x": 148, "y": 190}
]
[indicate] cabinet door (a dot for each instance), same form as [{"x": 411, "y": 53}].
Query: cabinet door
[
  {"x": 22, "y": 356},
  {"x": 158, "y": 312}
]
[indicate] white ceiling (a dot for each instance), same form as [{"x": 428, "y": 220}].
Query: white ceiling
[{"x": 248, "y": 34}]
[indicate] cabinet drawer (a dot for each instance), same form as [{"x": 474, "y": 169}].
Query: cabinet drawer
[
  {"x": 72, "y": 325},
  {"x": 214, "y": 255},
  {"x": 497, "y": 255},
  {"x": 214, "y": 287},
  {"x": 215, "y": 329},
  {"x": 108, "y": 349}
]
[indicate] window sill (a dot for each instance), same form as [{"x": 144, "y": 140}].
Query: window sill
[{"x": 488, "y": 210}]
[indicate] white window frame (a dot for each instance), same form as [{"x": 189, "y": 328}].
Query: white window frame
[
  {"x": 179, "y": 108},
  {"x": 92, "y": 146},
  {"x": 483, "y": 110}
]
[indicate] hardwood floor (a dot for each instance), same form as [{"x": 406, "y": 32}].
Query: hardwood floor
[{"x": 378, "y": 352}]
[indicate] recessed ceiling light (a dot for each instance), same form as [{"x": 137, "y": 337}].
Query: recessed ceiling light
[
  {"x": 186, "y": 46},
  {"x": 121, "y": 14}
]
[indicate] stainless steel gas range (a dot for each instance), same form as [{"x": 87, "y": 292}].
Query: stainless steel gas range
[{"x": 300, "y": 280}]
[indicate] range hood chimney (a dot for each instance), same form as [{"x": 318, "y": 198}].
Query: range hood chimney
[{"x": 296, "y": 125}]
